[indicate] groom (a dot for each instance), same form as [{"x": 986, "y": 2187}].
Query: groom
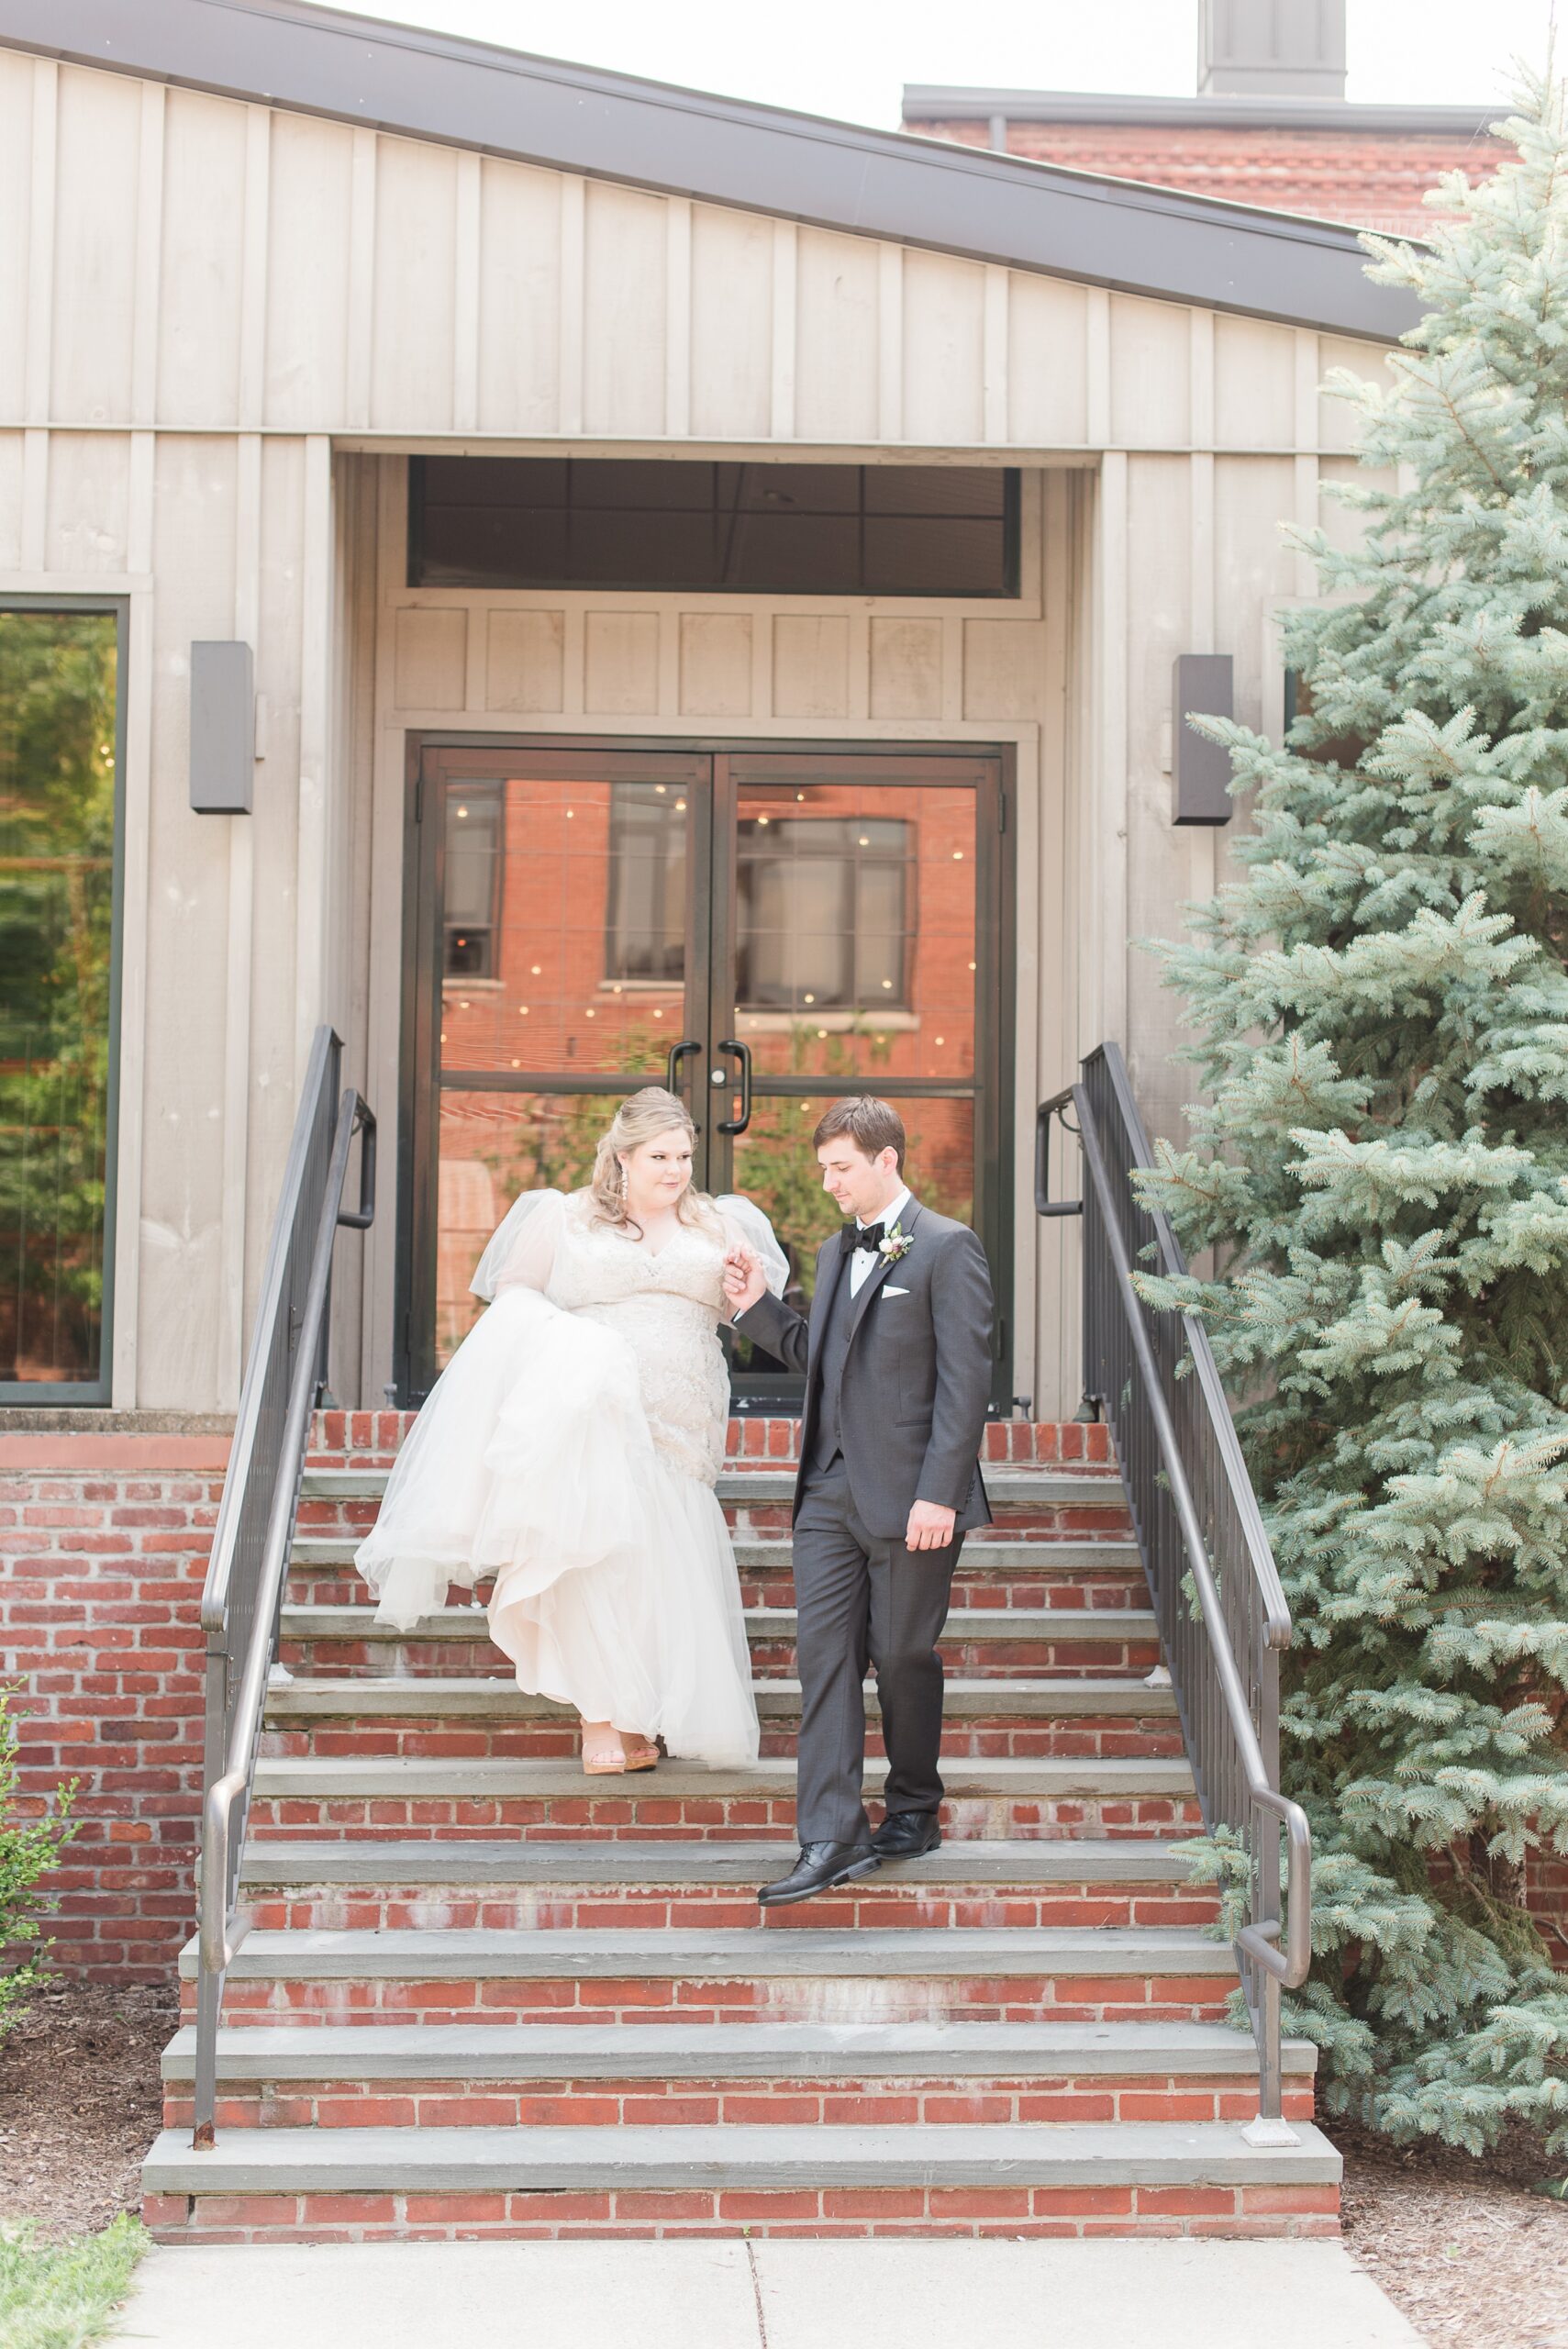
[{"x": 897, "y": 1356}]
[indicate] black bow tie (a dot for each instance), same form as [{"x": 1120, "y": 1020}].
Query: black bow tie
[{"x": 855, "y": 1236}]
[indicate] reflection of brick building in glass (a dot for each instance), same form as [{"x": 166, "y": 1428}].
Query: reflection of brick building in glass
[{"x": 568, "y": 917}]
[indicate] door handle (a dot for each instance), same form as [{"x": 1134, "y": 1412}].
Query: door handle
[
  {"x": 743, "y": 1054},
  {"x": 679, "y": 1052}
]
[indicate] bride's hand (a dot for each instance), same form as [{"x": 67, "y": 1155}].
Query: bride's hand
[{"x": 743, "y": 1280}]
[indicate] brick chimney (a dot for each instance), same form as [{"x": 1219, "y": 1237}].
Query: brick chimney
[{"x": 1287, "y": 49}]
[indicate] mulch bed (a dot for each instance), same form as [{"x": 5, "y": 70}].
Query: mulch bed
[
  {"x": 1462, "y": 2245},
  {"x": 80, "y": 2103}
]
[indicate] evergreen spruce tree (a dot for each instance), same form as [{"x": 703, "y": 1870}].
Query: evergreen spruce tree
[{"x": 1381, "y": 1164}]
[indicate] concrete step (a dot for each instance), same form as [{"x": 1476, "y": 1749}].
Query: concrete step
[
  {"x": 546, "y": 1866},
  {"x": 451, "y": 1697},
  {"x": 829, "y": 2052},
  {"x": 1009, "y": 1488},
  {"x": 770, "y": 1554},
  {"x": 373, "y": 1884},
  {"x": 1121, "y": 2177},
  {"x": 1052, "y": 1626},
  {"x": 405, "y": 1778}
]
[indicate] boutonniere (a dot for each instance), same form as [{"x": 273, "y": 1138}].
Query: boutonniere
[{"x": 897, "y": 1243}]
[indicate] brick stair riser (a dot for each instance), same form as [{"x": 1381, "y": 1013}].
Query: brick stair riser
[
  {"x": 1114, "y": 1738},
  {"x": 1032, "y": 1581},
  {"x": 772, "y": 1659},
  {"x": 590, "y": 1908},
  {"x": 372, "y": 1439},
  {"x": 684, "y": 1999},
  {"x": 902, "y": 2211},
  {"x": 847, "y": 2102},
  {"x": 639, "y": 1817}
]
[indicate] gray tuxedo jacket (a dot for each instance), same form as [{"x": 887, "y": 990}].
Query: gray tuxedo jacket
[{"x": 916, "y": 1379}]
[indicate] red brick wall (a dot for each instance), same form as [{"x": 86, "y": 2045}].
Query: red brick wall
[
  {"x": 1370, "y": 179},
  {"x": 106, "y": 1542}
]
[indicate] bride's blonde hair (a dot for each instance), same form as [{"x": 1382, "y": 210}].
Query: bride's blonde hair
[{"x": 652, "y": 1111}]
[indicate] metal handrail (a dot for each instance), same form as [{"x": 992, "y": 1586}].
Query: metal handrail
[
  {"x": 284, "y": 1373},
  {"x": 1221, "y": 1609}
]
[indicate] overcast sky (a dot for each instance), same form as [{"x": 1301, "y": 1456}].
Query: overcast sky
[{"x": 851, "y": 58}]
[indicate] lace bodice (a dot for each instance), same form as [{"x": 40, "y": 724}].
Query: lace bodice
[{"x": 666, "y": 1306}]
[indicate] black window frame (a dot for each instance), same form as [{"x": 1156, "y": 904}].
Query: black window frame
[{"x": 547, "y": 580}]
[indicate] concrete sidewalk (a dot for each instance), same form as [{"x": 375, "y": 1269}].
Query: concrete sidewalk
[{"x": 763, "y": 2296}]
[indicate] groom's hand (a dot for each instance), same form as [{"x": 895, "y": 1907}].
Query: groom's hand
[
  {"x": 929, "y": 1528},
  {"x": 743, "y": 1280}
]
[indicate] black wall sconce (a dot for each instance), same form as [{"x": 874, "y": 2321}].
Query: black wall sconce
[
  {"x": 1200, "y": 770},
  {"x": 223, "y": 728}
]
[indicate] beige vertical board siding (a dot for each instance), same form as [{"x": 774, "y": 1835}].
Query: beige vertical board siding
[
  {"x": 1053, "y": 952},
  {"x": 1047, "y": 361},
  {"x": 181, "y": 1172},
  {"x": 88, "y": 510},
  {"x": 309, "y": 177},
  {"x": 1151, "y": 373},
  {"x": 18, "y": 84},
  {"x": 731, "y": 325},
  {"x": 1254, "y": 384},
  {"x": 524, "y": 660},
  {"x": 202, "y": 272},
  {"x": 716, "y": 663},
  {"x": 384, "y": 755},
  {"x": 1338, "y": 419},
  {"x": 1158, "y": 626},
  {"x": 519, "y": 298},
  {"x": 906, "y": 667},
  {"x": 414, "y": 304},
  {"x": 275, "y": 844},
  {"x": 620, "y": 665},
  {"x": 10, "y": 501},
  {"x": 1252, "y": 563},
  {"x": 944, "y": 349},
  {"x": 98, "y": 136},
  {"x": 430, "y": 653},
  {"x": 625, "y": 274},
  {"x": 811, "y": 666},
  {"x": 836, "y": 338}
]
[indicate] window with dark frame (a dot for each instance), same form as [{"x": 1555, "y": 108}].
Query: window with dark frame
[
  {"x": 647, "y": 525},
  {"x": 824, "y": 913},
  {"x": 475, "y": 856},
  {"x": 645, "y": 913},
  {"x": 60, "y": 782}
]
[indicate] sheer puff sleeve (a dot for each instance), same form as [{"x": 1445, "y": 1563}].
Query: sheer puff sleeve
[
  {"x": 746, "y": 1225},
  {"x": 521, "y": 1253}
]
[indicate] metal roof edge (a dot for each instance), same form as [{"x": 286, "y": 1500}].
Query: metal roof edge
[
  {"x": 1135, "y": 238},
  {"x": 933, "y": 102}
]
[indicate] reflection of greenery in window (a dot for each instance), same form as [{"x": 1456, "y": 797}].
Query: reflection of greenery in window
[
  {"x": 56, "y": 819},
  {"x": 823, "y": 916}
]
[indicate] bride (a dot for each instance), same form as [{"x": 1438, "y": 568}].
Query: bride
[{"x": 571, "y": 1449}]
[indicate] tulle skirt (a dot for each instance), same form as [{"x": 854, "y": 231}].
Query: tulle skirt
[{"x": 615, "y": 1583}]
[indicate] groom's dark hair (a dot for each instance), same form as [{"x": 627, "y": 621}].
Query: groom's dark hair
[{"x": 872, "y": 1126}]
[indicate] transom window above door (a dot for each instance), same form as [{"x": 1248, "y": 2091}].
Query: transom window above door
[{"x": 650, "y": 524}]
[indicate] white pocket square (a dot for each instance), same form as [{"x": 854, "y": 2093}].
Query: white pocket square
[{"x": 888, "y": 1291}]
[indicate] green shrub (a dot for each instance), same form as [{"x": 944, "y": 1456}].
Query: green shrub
[{"x": 29, "y": 1849}]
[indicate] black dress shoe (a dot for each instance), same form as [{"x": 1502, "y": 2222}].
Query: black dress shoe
[
  {"x": 905, "y": 1834},
  {"x": 819, "y": 1868}
]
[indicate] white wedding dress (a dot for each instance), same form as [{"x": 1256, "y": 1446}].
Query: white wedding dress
[{"x": 570, "y": 1449}]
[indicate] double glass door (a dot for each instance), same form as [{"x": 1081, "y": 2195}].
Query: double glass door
[{"x": 761, "y": 932}]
